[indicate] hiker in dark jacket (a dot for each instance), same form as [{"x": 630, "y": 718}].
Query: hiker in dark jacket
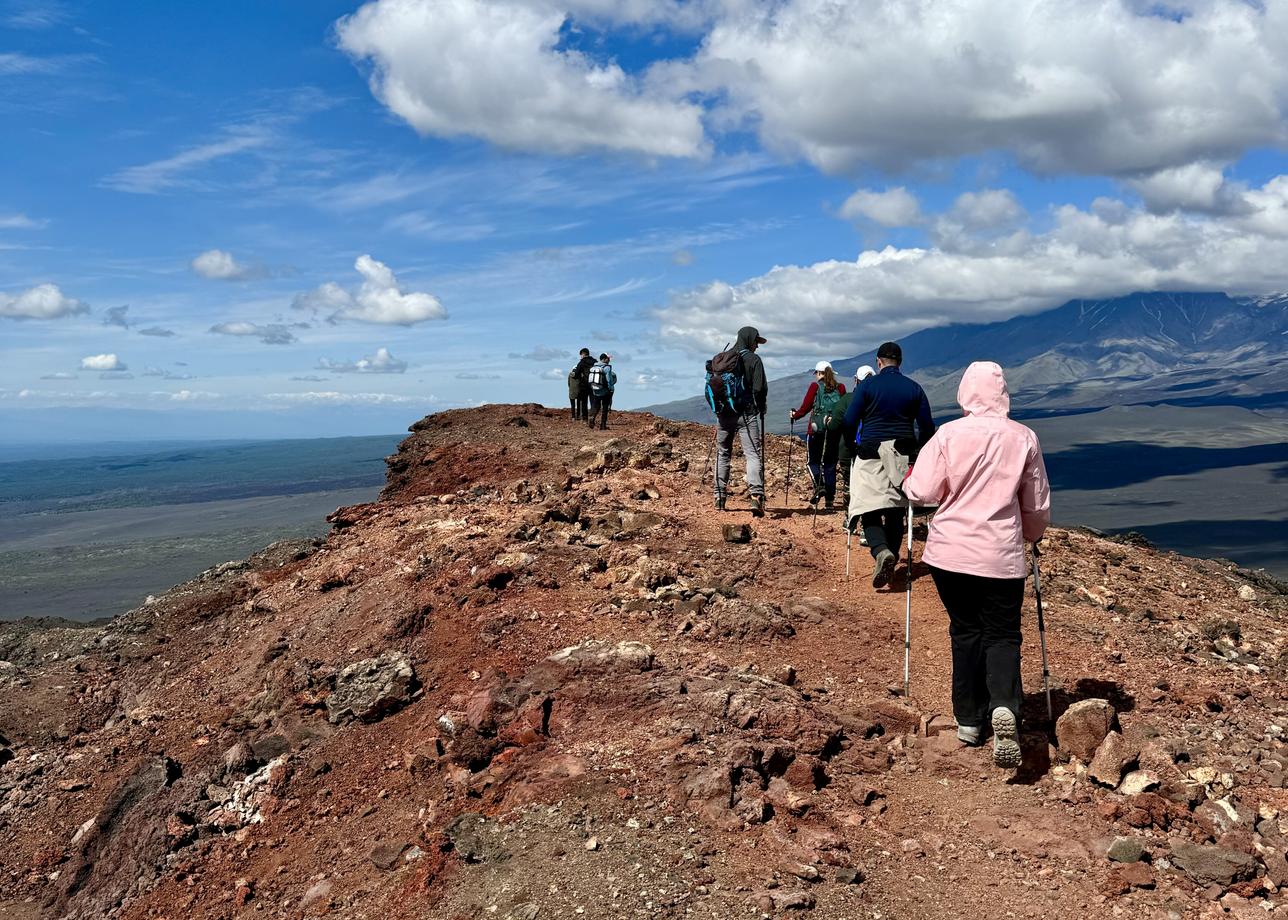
[
  {"x": 579, "y": 386},
  {"x": 749, "y": 425},
  {"x": 823, "y": 438},
  {"x": 603, "y": 381},
  {"x": 845, "y": 443},
  {"x": 895, "y": 418}
]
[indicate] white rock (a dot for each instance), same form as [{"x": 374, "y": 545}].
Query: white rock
[
  {"x": 1138, "y": 781},
  {"x": 1247, "y": 593}
]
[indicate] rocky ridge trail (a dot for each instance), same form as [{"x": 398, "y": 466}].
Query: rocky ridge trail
[{"x": 536, "y": 679}]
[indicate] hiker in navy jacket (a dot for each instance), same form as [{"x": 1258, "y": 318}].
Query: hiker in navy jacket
[{"x": 896, "y": 420}]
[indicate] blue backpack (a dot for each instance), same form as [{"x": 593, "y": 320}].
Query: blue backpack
[{"x": 726, "y": 389}]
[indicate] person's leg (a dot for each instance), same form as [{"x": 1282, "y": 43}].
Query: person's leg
[
  {"x": 607, "y": 403},
  {"x": 815, "y": 463},
  {"x": 831, "y": 447},
  {"x": 966, "y": 632},
  {"x": 583, "y": 405},
  {"x": 874, "y": 532},
  {"x": 724, "y": 448},
  {"x": 594, "y": 410},
  {"x": 1000, "y": 603},
  {"x": 749, "y": 427},
  {"x": 893, "y": 520},
  {"x": 573, "y": 402}
]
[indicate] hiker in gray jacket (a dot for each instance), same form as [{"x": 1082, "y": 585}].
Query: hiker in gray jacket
[{"x": 749, "y": 425}]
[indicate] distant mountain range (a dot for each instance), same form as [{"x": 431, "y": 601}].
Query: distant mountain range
[{"x": 1183, "y": 349}]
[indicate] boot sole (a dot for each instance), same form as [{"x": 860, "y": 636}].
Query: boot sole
[{"x": 1006, "y": 747}]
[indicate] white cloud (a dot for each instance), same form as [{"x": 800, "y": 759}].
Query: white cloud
[
  {"x": 1108, "y": 249},
  {"x": 896, "y": 207},
  {"x": 35, "y": 14},
  {"x": 378, "y": 300},
  {"x": 987, "y": 209},
  {"x": 1200, "y": 187},
  {"x": 219, "y": 265},
  {"x": 19, "y": 222},
  {"x": 542, "y": 353},
  {"x": 382, "y": 362},
  {"x": 1113, "y": 87},
  {"x": 269, "y": 334},
  {"x": 107, "y": 362},
  {"x": 117, "y": 316},
  {"x": 59, "y": 375},
  {"x": 44, "y": 301},
  {"x": 13, "y": 64},
  {"x": 158, "y": 332},
  {"x": 554, "y": 373},
  {"x": 334, "y": 397},
  {"x": 172, "y": 172},
  {"x": 495, "y": 70}
]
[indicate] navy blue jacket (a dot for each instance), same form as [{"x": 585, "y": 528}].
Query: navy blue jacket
[{"x": 889, "y": 404}]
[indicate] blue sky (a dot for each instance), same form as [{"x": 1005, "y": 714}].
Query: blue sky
[{"x": 249, "y": 218}]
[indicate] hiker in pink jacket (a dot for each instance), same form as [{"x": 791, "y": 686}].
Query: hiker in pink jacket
[{"x": 985, "y": 472}]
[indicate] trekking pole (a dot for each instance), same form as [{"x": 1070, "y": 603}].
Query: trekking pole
[
  {"x": 706, "y": 466},
  {"x": 787, "y": 486},
  {"x": 907, "y": 611},
  {"x": 1037, "y": 594},
  {"x": 849, "y": 535}
]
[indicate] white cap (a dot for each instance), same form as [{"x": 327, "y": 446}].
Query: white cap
[
  {"x": 864, "y": 373},
  {"x": 822, "y": 366}
]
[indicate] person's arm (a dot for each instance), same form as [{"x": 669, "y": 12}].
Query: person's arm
[
  {"x": 925, "y": 421},
  {"x": 1035, "y": 494},
  {"x": 807, "y": 403},
  {"x": 854, "y": 414},
  {"x": 927, "y": 481}
]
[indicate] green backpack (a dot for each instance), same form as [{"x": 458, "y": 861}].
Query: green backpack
[{"x": 825, "y": 402}]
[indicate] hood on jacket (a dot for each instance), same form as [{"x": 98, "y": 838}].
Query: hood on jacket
[
  {"x": 748, "y": 337},
  {"x": 983, "y": 390}
]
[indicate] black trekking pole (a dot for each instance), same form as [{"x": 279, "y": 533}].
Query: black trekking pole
[
  {"x": 1037, "y": 594},
  {"x": 907, "y": 611}
]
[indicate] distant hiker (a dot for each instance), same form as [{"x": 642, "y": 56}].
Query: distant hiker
[
  {"x": 737, "y": 393},
  {"x": 845, "y": 442},
  {"x": 579, "y": 385},
  {"x": 603, "y": 381},
  {"x": 889, "y": 418},
  {"x": 987, "y": 475},
  {"x": 823, "y": 434}
]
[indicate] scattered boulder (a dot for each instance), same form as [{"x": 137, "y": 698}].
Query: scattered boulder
[
  {"x": 1138, "y": 781},
  {"x": 371, "y": 689},
  {"x": 1212, "y": 865},
  {"x": 1126, "y": 850},
  {"x": 1083, "y": 726},
  {"x": 1247, "y": 593},
  {"x": 737, "y": 533},
  {"x": 1110, "y": 759},
  {"x": 385, "y": 855}
]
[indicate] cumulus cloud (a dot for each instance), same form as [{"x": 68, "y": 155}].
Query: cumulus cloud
[
  {"x": 44, "y": 301},
  {"x": 106, "y": 362},
  {"x": 116, "y": 316},
  {"x": 1200, "y": 187},
  {"x": 382, "y": 362},
  {"x": 378, "y": 300},
  {"x": 553, "y": 373},
  {"x": 896, "y": 207},
  {"x": 1108, "y": 249},
  {"x": 219, "y": 265},
  {"x": 1119, "y": 88},
  {"x": 523, "y": 90},
  {"x": 158, "y": 331},
  {"x": 269, "y": 334}
]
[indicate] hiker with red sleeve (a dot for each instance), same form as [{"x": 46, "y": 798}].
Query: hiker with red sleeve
[{"x": 824, "y": 438}]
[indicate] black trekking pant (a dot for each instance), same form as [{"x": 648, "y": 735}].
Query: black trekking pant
[
  {"x": 598, "y": 405},
  {"x": 581, "y": 406},
  {"x": 824, "y": 446},
  {"x": 883, "y": 529},
  {"x": 575, "y": 414},
  {"x": 984, "y": 625}
]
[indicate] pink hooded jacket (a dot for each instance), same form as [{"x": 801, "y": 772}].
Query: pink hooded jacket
[{"x": 987, "y": 476}]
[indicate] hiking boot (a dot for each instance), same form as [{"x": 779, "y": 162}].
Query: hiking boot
[
  {"x": 720, "y": 503},
  {"x": 970, "y": 734},
  {"x": 884, "y": 569},
  {"x": 1006, "y": 747},
  {"x": 758, "y": 506}
]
